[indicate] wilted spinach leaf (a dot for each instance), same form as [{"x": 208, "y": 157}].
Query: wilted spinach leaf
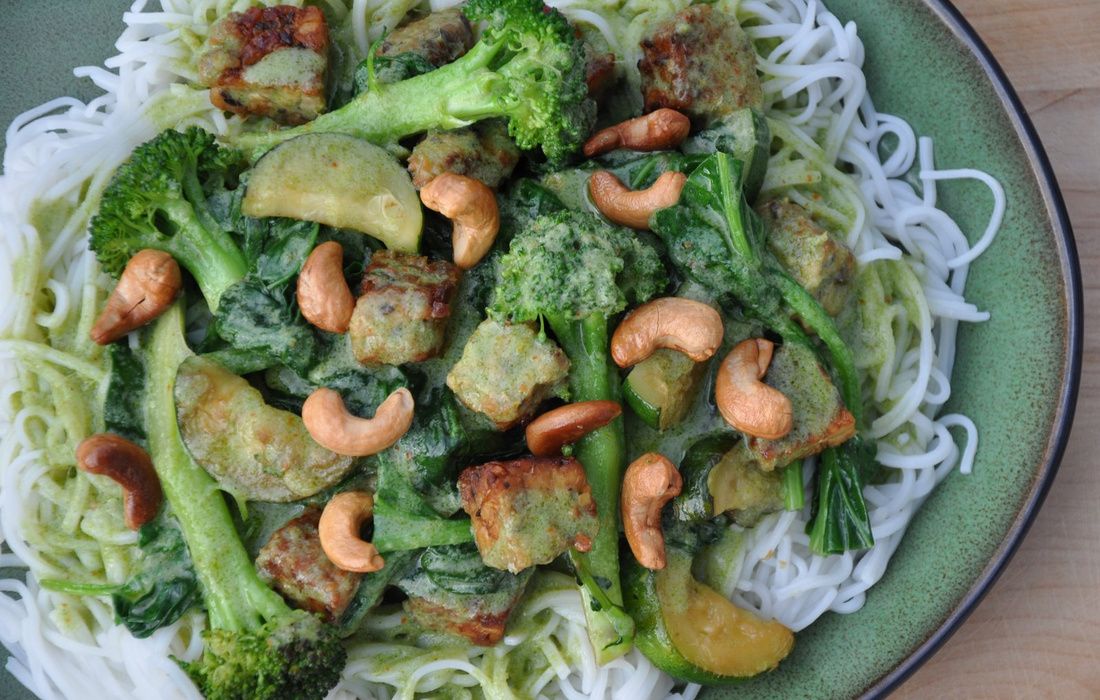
[
  {"x": 262, "y": 324},
  {"x": 164, "y": 588},
  {"x": 122, "y": 410}
]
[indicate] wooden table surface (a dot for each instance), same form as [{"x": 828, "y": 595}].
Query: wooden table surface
[{"x": 1037, "y": 633}]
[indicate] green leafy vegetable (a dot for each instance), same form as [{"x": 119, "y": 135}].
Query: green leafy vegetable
[
  {"x": 276, "y": 248},
  {"x": 839, "y": 522},
  {"x": 403, "y": 517},
  {"x": 371, "y": 588},
  {"x": 714, "y": 238},
  {"x": 745, "y": 135},
  {"x": 262, "y": 328},
  {"x": 123, "y": 407},
  {"x": 162, "y": 589},
  {"x": 427, "y": 455},
  {"x": 449, "y": 587}
]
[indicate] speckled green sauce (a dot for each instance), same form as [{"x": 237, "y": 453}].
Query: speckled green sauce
[{"x": 1009, "y": 372}]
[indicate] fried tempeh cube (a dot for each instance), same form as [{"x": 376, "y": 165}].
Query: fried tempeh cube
[
  {"x": 268, "y": 62},
  {"x": 820, "y": 418},
  {"x": 484, "y": 152},
  {"x": 528, "y": 511},
  {"x": 815, "y": 257},
  {"x": 506, "y": 371},
  {"x": 700, "y": 62},
  {"x": 294, "y": 564},
  {"x": 403, "y": 307}
]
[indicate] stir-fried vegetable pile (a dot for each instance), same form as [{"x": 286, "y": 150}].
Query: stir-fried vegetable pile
[{"x": 351, "y": 426}]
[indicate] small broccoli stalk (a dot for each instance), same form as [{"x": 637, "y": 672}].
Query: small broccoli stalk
[
  {"x": 528, "y": 68},
  {"x": 574, "y": 272},
  {"x": 156, "y": 199},
  {"x": 256, "y": 646}
]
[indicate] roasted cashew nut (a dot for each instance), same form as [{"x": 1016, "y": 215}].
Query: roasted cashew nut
[
  {"x": 331, "y": 425},
  {"x": 323, "y": 293},
  {"x": 146, "y": 289},
  {"x": 633, "y": 208},
  {"x": 131, "y": 468},
  {"x": 659, "y": 130},
  {"x": 472, "y": 207},
  {"x": 565, "y": 425},
  {"x": 746, "y": 402},
  {"x": 651, "y": 481},
  {"x": 689, "y": 326},
  {"x": 341, "y": 520}
]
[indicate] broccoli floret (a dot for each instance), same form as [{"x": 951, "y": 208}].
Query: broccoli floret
[
  {"x": 528, "y": 68},
  {"x": 570, "y": 265},
  {"x": 256, "y": 645},
  {"x": 294, "y": 656},
  {"x": 157, "y": 199},
  {"x": 574, "y": 272}
]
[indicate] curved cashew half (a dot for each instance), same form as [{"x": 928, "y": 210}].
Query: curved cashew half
[
  {"x": 651, "y": 481},
  {"x": 472, "y": 206},
  {"x": 747, "y": 403},
  {"x": 331, "y": 425},
  {"x": 689, "y": 326},
  {"x": 633, "y": 208},
  {"x": 145, "y": 290},
  {"x": 323, "y": 293},
  {"x": 339, "y": 532},
  {"x": 567, "y": 424},
  {"x": 129, "y": 466},
  {"x": 657, "y": 131}
]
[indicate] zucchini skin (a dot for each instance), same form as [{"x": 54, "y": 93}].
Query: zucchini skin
[{"x": 651, "y": 636}]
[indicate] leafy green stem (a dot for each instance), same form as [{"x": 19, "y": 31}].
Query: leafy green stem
[{"x": 794, "y": 496}]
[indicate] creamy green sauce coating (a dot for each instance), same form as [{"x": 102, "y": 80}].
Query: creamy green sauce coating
[
  {"x": 815, "y": 257},
  {"x": 287, "y": 67},
  {"x": 815, "y": 401}
]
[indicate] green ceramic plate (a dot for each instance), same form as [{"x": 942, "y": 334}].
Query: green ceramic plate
[{"x": 1017, "y": 375}]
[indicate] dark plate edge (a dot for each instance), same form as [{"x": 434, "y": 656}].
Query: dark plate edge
[{"x": 1071, "y": 372}]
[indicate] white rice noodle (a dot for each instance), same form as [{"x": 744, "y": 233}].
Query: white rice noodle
[
  {"x": 815, "y": 82},
  {"x": 64, "y": 152}
]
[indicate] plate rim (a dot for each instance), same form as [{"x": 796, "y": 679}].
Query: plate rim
[{"x": 1062, "y": 423}]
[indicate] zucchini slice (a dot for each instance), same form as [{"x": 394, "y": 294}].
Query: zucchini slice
[
  {"x": 721, "y": 476},
  {"x": 661, "y": 388},
  {"x": 340, "y": 181},
  {"x": 692, "y": 632}
]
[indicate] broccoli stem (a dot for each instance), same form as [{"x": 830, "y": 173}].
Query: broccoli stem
[
  {"x": 231, "y": 587},
  {"x": 592, "y": 377},
  {"x": 449, "y": 97},
  {"x": 207, "y": 252}
]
